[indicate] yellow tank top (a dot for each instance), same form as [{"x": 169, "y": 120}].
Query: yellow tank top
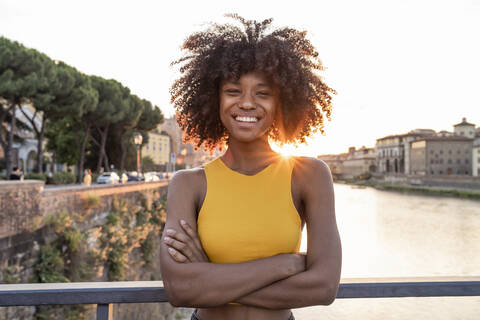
[{"x": 245, "y": 217}]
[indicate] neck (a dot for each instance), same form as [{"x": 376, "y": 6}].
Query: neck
[{"x": 249, "y": 156}]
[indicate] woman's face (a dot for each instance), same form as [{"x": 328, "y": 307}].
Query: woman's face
[{"x": 248, "y": 106}]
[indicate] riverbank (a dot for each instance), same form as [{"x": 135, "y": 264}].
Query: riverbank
[{"x": 425, "y": 190}]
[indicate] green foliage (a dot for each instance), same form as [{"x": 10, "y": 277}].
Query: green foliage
[
  {"x": 93, "y": 200},
  {"x": 148, "y": 247},
  {"x": 62, "y": 178},
  {"x": 147, "y": 163},
  {"x": 11, "y": 274},
  {"x": 365, "y": 176},
  {"x": 64, "y": 137},
  {"x": 59, "y": 222},
  {"x": 36, "y": 176},
  {"x": 73, "y": 238},
  {"x": 50, "y": 267},
  {"x": 113, "y": 219}
]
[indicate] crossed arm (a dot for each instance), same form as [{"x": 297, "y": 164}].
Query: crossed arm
[{"x": 278, "y": 282}]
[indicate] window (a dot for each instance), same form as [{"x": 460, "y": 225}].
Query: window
[
  {"x": 154, "y": 146},
  {"x": 466, "y": 161},
  {"x": 449, "y": 151},
  {"x": 431, "y": 161},
  {"x": 458, "y": 161},
  {"x": 449, "y": 161},
  {"x": 440, "y": 172},
  {"x": 441, "y": 160},
  {"x": 148, "y": 147},
  {"x": 441, "y": 151}
]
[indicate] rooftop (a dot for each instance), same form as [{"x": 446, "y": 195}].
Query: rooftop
[{"x": 464, "y": 123}]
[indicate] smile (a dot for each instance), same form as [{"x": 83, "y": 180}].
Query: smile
[{"x": 246, "y": 119}]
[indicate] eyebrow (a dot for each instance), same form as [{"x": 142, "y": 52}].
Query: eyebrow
[{"x": 236, "y": 82}]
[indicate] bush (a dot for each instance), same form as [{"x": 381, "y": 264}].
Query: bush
[
  {"x": 365, "y": 176},
  {"x": 95, "y": 177},
  {"x": 62, "y": 178},
  {"x": 36, "y": 176}
]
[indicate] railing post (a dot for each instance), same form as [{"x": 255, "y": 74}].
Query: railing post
[{"x": 105, "y": 311}]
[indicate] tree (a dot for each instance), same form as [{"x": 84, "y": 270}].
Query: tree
[
  {"x": 21, "y": 75},
  {"x": 122, "y": 131},
  {"x": 68, "y": 94},
  {"x": 112, "y": 108}
]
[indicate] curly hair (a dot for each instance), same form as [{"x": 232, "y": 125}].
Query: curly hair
[{"x": 226, "y": 52}]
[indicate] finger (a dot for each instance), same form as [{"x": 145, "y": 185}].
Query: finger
[
  {"x": 180, "y": 236},
  {"x": 177, "y": 256},
  {"x": 192, "y": 233},
  {"x": 179, "y": 246},
  {"x": 197, "y": 254}
]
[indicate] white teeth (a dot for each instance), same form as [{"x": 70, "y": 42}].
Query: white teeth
[{"x": 246, "y": 119}]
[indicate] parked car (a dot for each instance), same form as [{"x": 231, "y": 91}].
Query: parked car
[
  {"x": 108, "y": 178},
  {"x": 132, "y": 176},
  {"x": 151, "y": 176}
]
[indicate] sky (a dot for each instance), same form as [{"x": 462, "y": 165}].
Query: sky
[{"x": 396, "y": 65}]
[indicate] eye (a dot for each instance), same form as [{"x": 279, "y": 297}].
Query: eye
[
  {"x": 232, "y": 91},
  {"x": 263, "y": 93}
]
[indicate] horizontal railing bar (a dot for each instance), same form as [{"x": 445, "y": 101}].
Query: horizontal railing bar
[{"x": 153, "y": 291}]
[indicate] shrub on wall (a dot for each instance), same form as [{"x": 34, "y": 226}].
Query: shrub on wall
[
  {"x": 62, "y": 178},
  {"x": 36, "y": 176}
]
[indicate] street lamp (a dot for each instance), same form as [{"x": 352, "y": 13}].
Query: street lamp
[{"x": 138, "y": 142}]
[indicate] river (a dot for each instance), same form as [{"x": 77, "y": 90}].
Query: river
[{"x": 390, "y": 234}]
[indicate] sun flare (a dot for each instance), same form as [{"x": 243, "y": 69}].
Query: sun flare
[{"x": 287, "y": 150}]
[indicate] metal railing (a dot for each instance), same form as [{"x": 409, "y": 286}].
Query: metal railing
[{"x": 104, "y": 294}]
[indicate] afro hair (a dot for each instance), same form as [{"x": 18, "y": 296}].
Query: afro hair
[{"x": 226, "y": 52}]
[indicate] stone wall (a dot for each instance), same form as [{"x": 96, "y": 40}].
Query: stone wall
[
  {"x": 454, "y": 182},
  {"x": 34, "y": 217}
]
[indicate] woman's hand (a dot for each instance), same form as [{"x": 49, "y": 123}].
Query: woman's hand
[{"x": 186, "y": 247}]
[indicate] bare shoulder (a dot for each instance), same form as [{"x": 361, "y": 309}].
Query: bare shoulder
[
  {"x": 188, "y": 177},
  {"x": 190, "y": 182},
  {"x": 189, "y": 186},
  {"x": 311, "y": 170}
]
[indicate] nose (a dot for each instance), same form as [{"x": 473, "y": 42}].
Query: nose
[{"x": 247, "y": 102}]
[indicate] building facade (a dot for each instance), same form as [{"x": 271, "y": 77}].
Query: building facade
[
  {"x": 442, "y": 156},
  {"x": 476, "y": 154},
  {"x": 359, "y": 162},
  {"x": 464, "y": 129},
  {"x": 393, "y": 152},
  {"x": 157, "y": 148},
  {"x": 334, "y": 162}
]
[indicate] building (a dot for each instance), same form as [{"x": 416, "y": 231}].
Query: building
[
  {"x": 24, "y": 150},
  {"x": 464, "y": 129},
  {"x": 476, "y": 154},
  {"x": 334, "y": 162},
  {"x": 171, "y": 128},
  {"x": 393, "y": 152},
  {"x": 158, "y": 148},
  {"x": 442, "y": 156},
  {"x": 359, "y": 162},
  {"x": 184, "y": 154}
]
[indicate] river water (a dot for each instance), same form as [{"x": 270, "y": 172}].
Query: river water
[{"x": 390, "y": 234}]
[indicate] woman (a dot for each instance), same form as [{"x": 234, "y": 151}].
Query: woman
[{"x": 233, "y": 230}]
